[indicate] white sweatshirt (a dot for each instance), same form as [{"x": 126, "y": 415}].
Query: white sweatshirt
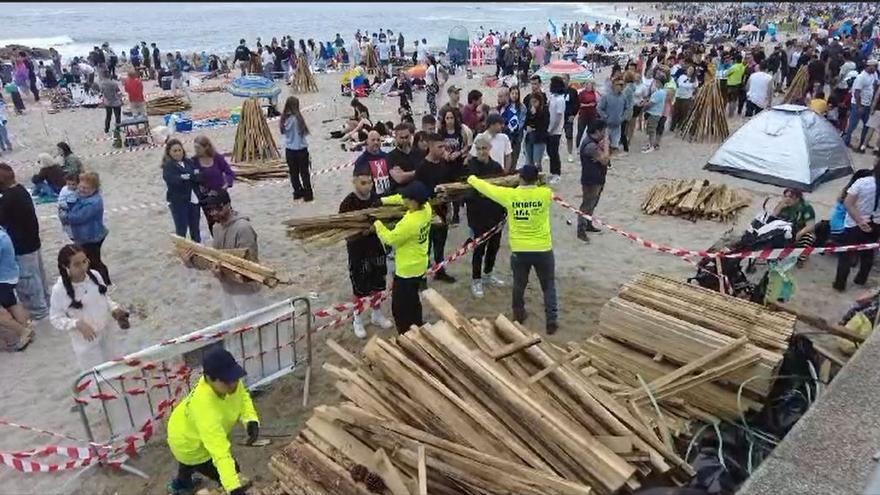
[
  {"x": 96, "y": 311},
  {"x": 556, "y": 107}
]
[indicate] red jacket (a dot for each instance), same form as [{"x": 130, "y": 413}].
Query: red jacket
[{"x": 135, "y": 89}]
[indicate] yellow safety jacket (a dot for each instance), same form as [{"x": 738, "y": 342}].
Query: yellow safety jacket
[
  {"x": 528, "y": 214},
  {"x": 410, "y": 239},
  {"x": 199, "y": 427}
]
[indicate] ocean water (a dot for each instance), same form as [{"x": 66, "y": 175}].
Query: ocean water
[{"x": 74, "y": 28}]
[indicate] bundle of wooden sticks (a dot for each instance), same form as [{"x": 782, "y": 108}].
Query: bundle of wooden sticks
[
  {"x": 162, "y": 105},
  {"x": 254, "y": 141},
  {"x": 707, "y": 119},
  {"x": 693, "y": 199},
  {"x": 231, "y": 261},
  {"x": 263, "y": 170}
]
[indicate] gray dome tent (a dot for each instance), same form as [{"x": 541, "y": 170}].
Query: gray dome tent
[{"x": 787, "y": 145}]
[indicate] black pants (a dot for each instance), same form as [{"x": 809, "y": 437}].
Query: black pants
[
  {"x": 93, "y": 253},
  {"x": 406, "y": 307},
  {"x": 553, "y": 153},
  {"x": 34, "y": 90},
  {"x": 298, "y": 162},
  {"x": 624, "y": 140},
  {"x": 545, "y": 267},
  {"x": 207, "y": 468},
  {"x": 483, "y": 259},
  {"x": 116, "y": 112},
  {"x": 752, "y": 109},
  {"x": 439, "y": 233},
  {"x": 855, "y": 235}
]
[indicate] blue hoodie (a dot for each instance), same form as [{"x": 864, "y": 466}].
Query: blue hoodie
[{"x": 86, "y": 219}]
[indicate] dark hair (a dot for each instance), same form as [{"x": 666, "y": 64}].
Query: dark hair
[
  {"x": 71, "y": 177},
  {"x": 360, "y": 108},
  {"x": 429, "y": 119},
  {"x": 456, "y": 126},
  {"x": 404, "y": 126},
  {"x": 557, "y": 85},
  {"x": 858, "y": 174},
  {"x": 64, "y": 256},
  {"x": 474, "y": 95},
  {"x": 166, "y": 157},
  {"x": 362, "y": 172},
  {"x": 432, "y": 137},
  {"x": 291, "y": 108},
  {"x": 535, "y": 77},
  {"x": 596, "y": 125},
  {"x": 65, "y": 149}
]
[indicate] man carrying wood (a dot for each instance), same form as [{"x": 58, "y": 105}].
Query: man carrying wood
[
  {"x": 531, "y": 244},
  {"x": 233, "y": 232},
  {"x": 199, "y": 426}
]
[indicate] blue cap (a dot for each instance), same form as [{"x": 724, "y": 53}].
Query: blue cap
[
  {"x": 529, "y": 173},
  {"x": 219, "y": 364},
  {"x": 416, "y": 191}
]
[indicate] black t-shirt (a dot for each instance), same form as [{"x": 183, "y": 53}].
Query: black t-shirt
[
  {"x": 406, "y": 161},
  {"x": 18, "y": 217},
  {"x": 242, "y": 53},
  {"x": 482, "y": 212},
  {"x": 377, "y": 165},
  {"x": 367, "y": 246},
  {"x": 430, "y": 174},
  {"x": 455, "y": 142}
]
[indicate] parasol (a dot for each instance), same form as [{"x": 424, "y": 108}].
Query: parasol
[
  {"x": 578, "y": 74},
  {"x": 647, "y": 29},
  {"x": 417, "y": 71},
  {"x": 749, "y": 28},
  {"x": 254, "y": 87}
]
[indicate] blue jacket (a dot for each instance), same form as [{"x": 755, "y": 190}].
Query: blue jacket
[
  {"x": 8, "y": 263},
  {"x": 86, "y": 219},
  {"x": 180, "y": 189}
]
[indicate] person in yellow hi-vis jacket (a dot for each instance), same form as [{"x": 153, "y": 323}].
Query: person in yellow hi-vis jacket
[
  {"x": 531, "y": 245},
  {"x": 199, "y": 426},
  {"x": 410, "y": 238}
]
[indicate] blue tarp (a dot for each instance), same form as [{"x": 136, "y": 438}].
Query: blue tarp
[{"x": 597, "y": 39}]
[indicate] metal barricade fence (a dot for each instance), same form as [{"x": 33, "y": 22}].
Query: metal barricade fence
[{"x": 138, "y": 391}]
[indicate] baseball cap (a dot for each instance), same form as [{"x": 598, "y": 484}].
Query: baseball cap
[
  {"x": 453, "y": 89},
  {"x": 216, "y": 198},
  {"x": 219, "y": 364},
  {"x": 416, "y": 191},
  {"x": 529, "y": 173}
]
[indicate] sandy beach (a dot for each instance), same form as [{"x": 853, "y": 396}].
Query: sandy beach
[{"x": 168, "y": 300}]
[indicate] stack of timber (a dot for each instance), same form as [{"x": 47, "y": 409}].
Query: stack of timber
[
  {"x": 253, "y": 139},
  {"x": 467, "y": 406},
  {"x": 303, "y": 81},
  {"x": 728, "y": 349},
  {"x": 797, "y": 90},
  {"x": 707, "y": 119},
  {"x": 263, "y": 170},
  {"x": 695, "y": 199},
  {"x": 162, "y": 105},
  {"x": 326, "y": 230},
  {"x": 232, "y": 261}
]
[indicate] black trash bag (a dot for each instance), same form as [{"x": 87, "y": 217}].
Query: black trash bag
[
  {"x": 788, "y": 398},
  {"x": 713, "y": 477}
]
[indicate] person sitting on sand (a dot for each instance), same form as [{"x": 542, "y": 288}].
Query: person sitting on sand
[
  {"x": 49, "y": 180},
  {"x": 359, "y": 125},
  {"x": 70, "y": 162},
  {"x": 15, "y": 330}
]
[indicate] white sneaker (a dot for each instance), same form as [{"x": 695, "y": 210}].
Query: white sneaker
[
  {"x": 554, "y": 179},
  {"x": 494, "y": 281},
  {"x": 379, "y": 319},
  {"x": 477, "y": 288},
  {"x": 358, "y": 325},
  {"x": 570, "y": 159},
  {"x": 649, "y": 149}
]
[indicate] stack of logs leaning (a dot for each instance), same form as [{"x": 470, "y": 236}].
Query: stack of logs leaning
[
  {"x": 695, "y": 199},
  {"x": 326, "y": 230},
  {"x": 477, "y": 406}
]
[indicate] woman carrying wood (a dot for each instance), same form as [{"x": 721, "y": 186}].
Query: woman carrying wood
[
  {"x": 215, "y": 171},
  {"x": 296, "y": 149}
]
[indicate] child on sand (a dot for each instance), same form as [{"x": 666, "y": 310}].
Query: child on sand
[
  {"x": 366, "y": 255},
  {"x": 80, "y": 306},
  {"x": 67, "y": 196}
]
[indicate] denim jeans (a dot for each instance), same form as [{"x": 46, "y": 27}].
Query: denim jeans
[
  {"x": 187, "y": 216},
  {"x": 614, "y": 136},
  {"x": 533, "y": 152},
  {"x": 32, "y": 289},
  {"x": 5, "y": 144},
  {"x": 856, "y": 114},
  {"x": 521, "y": 265}
]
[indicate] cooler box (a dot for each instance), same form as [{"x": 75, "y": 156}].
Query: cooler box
[
  {"x": 165, "y": 83},
  {"x": 183, "y": 125}
]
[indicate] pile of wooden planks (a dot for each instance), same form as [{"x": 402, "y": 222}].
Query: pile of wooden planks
[
  {"x": 467, "y": 406},
  {"x": 797, "y": 90},
  {"x": 254, "y": 141},
  {"x": 302, "y": 80},
  {"x": 163, "y": 105},
  {"x": 695, "y": 199},
  {"x": 326, "y": 230},
  {"x": 264, "y": 170},
  {"x": 232, "y": 262},
  {"x": 707, "y": 119}
]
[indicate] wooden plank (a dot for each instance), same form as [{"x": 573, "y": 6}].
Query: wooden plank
[
  {"x": 618, "y": 444},
  {"x": 341, "y": 352},
  {"x": 818, "y": 322},
  {"x": 390, "y": 474},
  {"x": 423, "y": 471},
  {"x": 706, "y": 376},
  {"x": 550, "y": 369},
  {"x": 513, "y": 348}
]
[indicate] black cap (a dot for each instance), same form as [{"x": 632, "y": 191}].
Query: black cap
[
  {"x": 219, "y": 364},
  {"x": 529, "y": 173},
  {"x": 416, "y": 191},
  {"x": 216, "y": 198}
]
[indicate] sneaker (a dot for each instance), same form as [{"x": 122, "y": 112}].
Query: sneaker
[
  {"x": 358, "y": 325},
  {"x": 552, "y": 327},
  {"x": 583, "y": 236},
  {"x": 593, "y": 228},
  {"x": 494, "y": 281},
  {"x": 174, "y": 487},
  {"x": 380, "y": 320},
  {"x": 648, "y": 149},
  {"x": 477, "y": 288},
  {"x": 442, "y": 276},
  {"x": 554, "y": 179},
  {"x": 570, "y": 159}
]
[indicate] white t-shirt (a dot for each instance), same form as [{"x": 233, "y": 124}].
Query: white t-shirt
[
  {"x": 384, "y": 50},
  {"x": 422, "y": 52},
  {"x": 582, "y": 52},
  {"x": 431, "y": 75},
  {"x": 844, "y": 70},
  {"x": 267, "y": 57},
  {"x": 500, "y": 147},
  {"x": 686, "y": 87},
  {"x": 865, "y": 189},
  {"x": 759, "y": 86},
  {"x": 864, "y": 82}
]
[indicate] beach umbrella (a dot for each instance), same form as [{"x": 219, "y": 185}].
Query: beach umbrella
[
  {"x": 579, "y": 75},
  {"x": 254, "y": 87},
  {"x": 647, "y": 29},
  {"x": 749, "y": 28},
  {"x": 417, "y": 71}
]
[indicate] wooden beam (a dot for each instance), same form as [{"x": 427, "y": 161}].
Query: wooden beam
[
  {"x": 341, "y": 352},
  {"x": 551, "y": 368},
  {"x": 513, "y": 348},
  {"x": 818, "y": 322},
  {"x": 423, "y": 471}
]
